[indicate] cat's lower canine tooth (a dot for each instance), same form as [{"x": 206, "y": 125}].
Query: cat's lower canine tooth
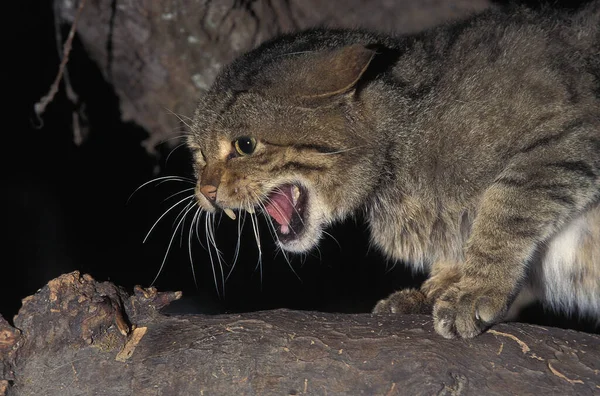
[
  {"x": 229, "y": 213},
  {"x": 295, "y": 194}
]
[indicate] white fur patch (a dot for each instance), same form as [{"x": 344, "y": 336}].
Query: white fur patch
[{"x": 570, "y": 277}]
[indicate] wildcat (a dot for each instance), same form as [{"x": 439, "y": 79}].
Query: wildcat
[{"x": 473, "y": 150}]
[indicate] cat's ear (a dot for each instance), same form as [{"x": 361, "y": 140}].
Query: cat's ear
[
  {"x": 318, "y": 76},
  {"x": 336, "y": 72}
]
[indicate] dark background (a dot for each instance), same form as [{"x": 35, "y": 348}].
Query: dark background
[{"x": 68, "y": 207}]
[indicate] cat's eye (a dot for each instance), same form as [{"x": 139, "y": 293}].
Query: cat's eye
[{"x": 245, "y": 145}]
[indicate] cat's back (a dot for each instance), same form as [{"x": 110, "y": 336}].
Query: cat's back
[
  {"x": 519, "y": 33},
  {"x": 498, "y": 82},
  {"x": 505, "y": 45}
]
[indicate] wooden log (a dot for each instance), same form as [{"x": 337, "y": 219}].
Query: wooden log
[{"x": 79, "y": 336}]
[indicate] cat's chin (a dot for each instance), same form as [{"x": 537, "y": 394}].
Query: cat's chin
[{"x": 303, "y": 241}]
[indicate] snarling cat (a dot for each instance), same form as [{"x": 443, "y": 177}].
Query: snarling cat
[{"x": 473, "y": 150}]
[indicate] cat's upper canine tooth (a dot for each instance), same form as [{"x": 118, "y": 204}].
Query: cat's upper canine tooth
[
  {"x": 250, "y": 210},
  {"x": 229, "y": 213},
  {"x": 295, "y": 194}
]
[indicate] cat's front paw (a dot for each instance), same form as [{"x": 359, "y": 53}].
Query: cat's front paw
[
  {"x": 466, "y": 309},
  {"x": 410, "y": 301}
]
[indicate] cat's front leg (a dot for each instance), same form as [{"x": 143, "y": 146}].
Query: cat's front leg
[{"x": 525, "y": 206}]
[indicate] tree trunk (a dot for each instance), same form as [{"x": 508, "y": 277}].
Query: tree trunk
[
  {"x": 79, "y": 336},
  {"x": 159, "y": 56}
]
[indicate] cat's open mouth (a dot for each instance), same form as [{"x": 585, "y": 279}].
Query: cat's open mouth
[{"x": 286, "y": 205}]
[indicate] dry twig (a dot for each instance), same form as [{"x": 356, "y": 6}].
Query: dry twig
[{"x": 40, "y": 107}]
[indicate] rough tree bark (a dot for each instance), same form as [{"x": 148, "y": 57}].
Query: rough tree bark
[
  {"x": 78, "y": 336},
  {"x": 159, "y": 56}
]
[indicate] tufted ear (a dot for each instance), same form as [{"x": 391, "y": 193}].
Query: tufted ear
[{"x": 319, "y": 75}]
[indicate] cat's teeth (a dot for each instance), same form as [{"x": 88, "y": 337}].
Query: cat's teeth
[
  {"x": 295, "y": 194},
  {"x": 250, "y": 210},
  {"x": 229, "y": 213}
]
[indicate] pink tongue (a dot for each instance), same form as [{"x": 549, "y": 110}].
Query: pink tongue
[{"x": 280, "y": 207}]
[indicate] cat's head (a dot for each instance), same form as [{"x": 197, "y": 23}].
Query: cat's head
[{"x": 286, "y": 134}]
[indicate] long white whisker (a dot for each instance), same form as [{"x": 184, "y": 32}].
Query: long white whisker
[
  {"x": 162, "y": 179},
  {"x": 183, "y": 212},
  {"x": 271, "y": 226},
  {"x": 178, "y": 193},
  {"x": 303, "y": 258},
  {"x": 188, "y": 207},
  {"x": 340, "y": 151},
  {"x": 286, "y": 197},
  {"x": 257, "y": 237},
  {"x": 294, "y": 53},
  {"x": 181, "y": 118},
  {"x": 220, "y": 261},
  {"x": 274, "y": 233},
  {"x": 332, "y": 237},
  {"x": 278, "y": 209},
  {"x": 182, "y": 133},
  {"x": 212, "y": 262},
  {"x": 169, "y": 247},
  {"x": 198, "y": 232},
  {"x": 190, "y": 237},
  {"x": 389, "y": 269},
  {"x": 172, "y": 151},
  {"x": 319, "y": 251},
  {"x": 164, "y": 214},
  {"x": 240, "y": 226},
  {"x": 181, "y": 180}
]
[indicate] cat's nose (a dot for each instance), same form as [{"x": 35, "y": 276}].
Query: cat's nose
[{"x": 209, "y": 191}]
